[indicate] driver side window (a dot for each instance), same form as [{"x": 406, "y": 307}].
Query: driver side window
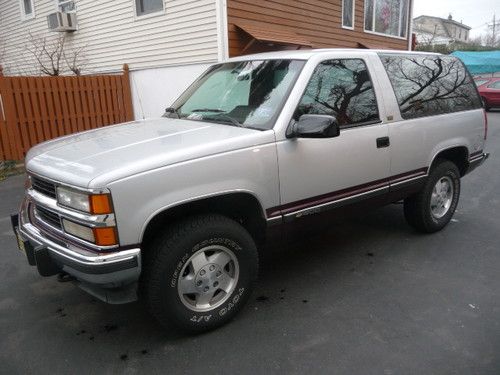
[{"x": 340, "y": 88}]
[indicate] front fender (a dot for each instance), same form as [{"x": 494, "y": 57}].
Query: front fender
[{"x": 139, "y": 198}]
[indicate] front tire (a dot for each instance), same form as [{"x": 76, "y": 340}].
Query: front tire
[
  {"x": 431, "y": 209},
  {"x": 200, "y": 273}
]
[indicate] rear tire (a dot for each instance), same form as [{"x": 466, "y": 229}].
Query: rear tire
[
  {"x": 431, "y": 209},
  {"x": 200, "y": 273}
]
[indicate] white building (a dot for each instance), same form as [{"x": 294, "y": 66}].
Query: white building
[
  {"x": 440, "y": 31},
  {"x": 168, "y": 43}
]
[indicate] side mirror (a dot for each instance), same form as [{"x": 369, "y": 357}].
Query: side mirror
[{"x": 314, "y": 126}]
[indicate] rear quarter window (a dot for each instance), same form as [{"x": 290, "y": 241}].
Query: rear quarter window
[{"x": 427, "y": 85}]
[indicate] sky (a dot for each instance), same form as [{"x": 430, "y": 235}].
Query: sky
[{"x": 473, "y": 13}]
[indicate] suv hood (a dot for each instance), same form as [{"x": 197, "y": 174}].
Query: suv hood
[{"x": 97, "y": 157}]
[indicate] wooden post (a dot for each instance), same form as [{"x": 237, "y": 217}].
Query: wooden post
[
  {"x": 127, "y": 94},
  {"x": 13, "y": 146},
  {"x": 4, "y": 142}
]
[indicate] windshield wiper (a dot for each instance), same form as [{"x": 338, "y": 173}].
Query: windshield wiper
[
  {"x": 219, "y": 114},
  {"x": 228, "y": 119},
  {"x": 208, "y": 110}
]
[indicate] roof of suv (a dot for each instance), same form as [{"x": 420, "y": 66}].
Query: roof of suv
[{"x": 306, "y": 54}]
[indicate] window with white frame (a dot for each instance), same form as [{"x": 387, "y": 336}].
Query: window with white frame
[
  {"x": 388, "y": 17},
  {"x": 27, "y": 9},
  {"x": 143, "y": 7},
  {"x": 348, "y": 14},
  {"x": 66, "y": 6}
]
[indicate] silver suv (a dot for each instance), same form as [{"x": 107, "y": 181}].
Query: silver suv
[{"x": 172, "y": 210}]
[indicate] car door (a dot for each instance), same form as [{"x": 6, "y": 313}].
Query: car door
[{"x": 318, "y": 174}]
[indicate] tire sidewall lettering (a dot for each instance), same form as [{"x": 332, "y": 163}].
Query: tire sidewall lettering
[
  {"x": 230, "y": 305},
  {"x": 233, "y": 301},
  {"x": 178, "y": 268},
  {"x": 216, "y": 241}
]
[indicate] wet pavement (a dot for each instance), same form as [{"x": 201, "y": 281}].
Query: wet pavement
[{"x": 370, "y": 296}]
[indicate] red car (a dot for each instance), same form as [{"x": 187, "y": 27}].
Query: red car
[{"x": 489, "y": 89}]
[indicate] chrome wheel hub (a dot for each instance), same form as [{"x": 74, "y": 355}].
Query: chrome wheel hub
[
  {"x": 442, "y": 197},
  {"x": 208, "y": 278}
]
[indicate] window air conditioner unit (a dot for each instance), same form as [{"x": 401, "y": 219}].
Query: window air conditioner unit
[{"x": 61, "y": 21}]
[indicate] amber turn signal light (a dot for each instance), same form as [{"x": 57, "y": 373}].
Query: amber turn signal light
[
  {"x": 105, "y": 236},
  {"x": 100, "y": 204}
]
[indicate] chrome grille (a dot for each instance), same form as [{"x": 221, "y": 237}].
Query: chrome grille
[
  {"x": 48, "y": 217},
  {"x": 43, "y": 186}
]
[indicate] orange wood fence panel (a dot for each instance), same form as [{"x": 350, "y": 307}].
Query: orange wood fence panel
[{"x": 36, "y": 109}]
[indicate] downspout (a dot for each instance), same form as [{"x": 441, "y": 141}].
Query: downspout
[
  {"x": 222, "y": 30},
  {"x": 410, "y": 25}
]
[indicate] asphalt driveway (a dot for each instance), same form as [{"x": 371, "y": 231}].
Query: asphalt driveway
[{"x": 371, "y": 296}]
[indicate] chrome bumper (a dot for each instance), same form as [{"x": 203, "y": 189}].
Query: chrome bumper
[
  {"x": 477, "y": 161},
  {"x": 106, "y": 270}
]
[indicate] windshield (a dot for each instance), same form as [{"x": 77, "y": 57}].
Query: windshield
[{"x": 248, "y": 94}]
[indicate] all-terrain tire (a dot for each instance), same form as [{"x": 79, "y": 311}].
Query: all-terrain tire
[
  {"x": 171, "y": 253},
  {"x": 418, "y": 209}
]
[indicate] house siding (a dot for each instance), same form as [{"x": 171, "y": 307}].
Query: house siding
[
  {"x": 110, "y": 35},
  {"x": 318, "y": 20},
  {"x": 430, "y": 25},
  {"x": 443, "y": 30}
]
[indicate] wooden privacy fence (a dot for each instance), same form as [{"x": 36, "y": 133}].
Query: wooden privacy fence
[{"x": 36, "y": 109}]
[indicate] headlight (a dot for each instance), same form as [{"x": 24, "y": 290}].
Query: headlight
[
  {"x": 81, "y": 201},
  {"x": 73, "y": 199}
]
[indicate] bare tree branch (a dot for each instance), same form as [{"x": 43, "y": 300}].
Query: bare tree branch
[
  {"x": 75, "y": 60},
  {"x": 53, "y": 57},
  {"x": 47, "y": 54}
]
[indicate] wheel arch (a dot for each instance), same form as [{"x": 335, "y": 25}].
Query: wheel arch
[
  {"x": 241, "y": 206},
  {"x": 459, "y": 155}
]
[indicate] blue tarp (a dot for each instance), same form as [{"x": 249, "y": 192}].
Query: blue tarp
[{"x": 480, "y": 62}]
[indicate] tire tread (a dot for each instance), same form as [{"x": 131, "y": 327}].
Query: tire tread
[{"x": 163, "y": 251}]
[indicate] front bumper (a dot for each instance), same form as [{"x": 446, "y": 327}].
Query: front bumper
[{"x": 97, "y": 273}]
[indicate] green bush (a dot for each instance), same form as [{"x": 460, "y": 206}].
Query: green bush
[{"x": 446, "y": 49}]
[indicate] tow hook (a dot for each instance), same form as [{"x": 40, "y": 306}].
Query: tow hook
[{"x": 63, "y": 277}]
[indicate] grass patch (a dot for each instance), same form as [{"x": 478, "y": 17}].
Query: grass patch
[{"x": 10, "y": 168}]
